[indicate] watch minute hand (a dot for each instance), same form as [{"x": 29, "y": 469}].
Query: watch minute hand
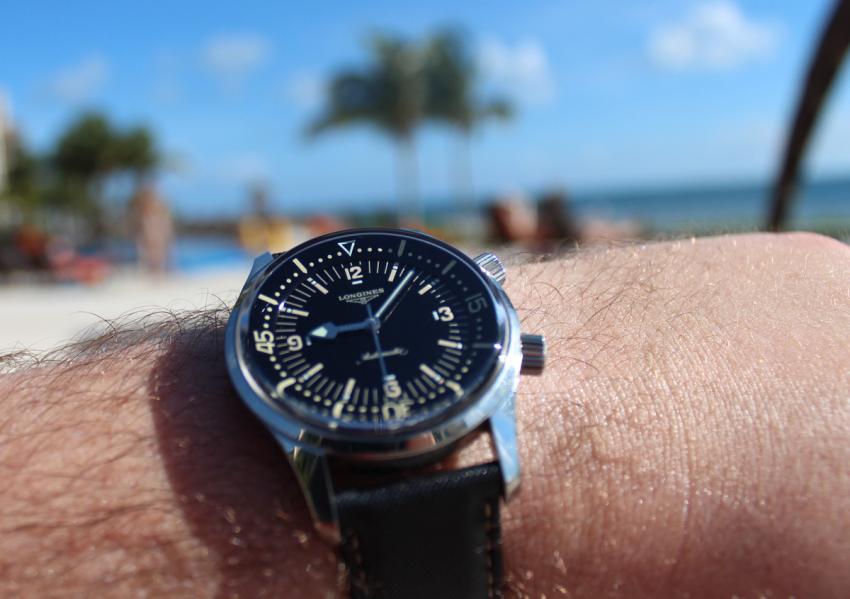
[{"x": 394, "y": 294}]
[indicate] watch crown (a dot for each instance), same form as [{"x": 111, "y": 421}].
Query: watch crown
[
  {"x": 490, "y": 264},
  {"x": 533, "y": 354}
]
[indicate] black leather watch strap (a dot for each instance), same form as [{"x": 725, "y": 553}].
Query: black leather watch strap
[{"x": 433, "y": 537}]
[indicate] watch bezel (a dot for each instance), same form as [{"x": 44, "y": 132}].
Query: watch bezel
[{"x": 392, "y": 444}]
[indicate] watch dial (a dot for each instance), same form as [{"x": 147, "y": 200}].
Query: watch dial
[{"x": 373, "y": 330}]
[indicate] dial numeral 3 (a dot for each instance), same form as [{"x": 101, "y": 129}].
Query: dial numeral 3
[{"x": 443, "y": 313}]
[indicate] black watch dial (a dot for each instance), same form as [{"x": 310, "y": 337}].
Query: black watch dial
[{"x": 373, "y": 330}]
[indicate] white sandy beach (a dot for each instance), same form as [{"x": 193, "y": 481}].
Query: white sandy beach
[{"x": 40, "y": 317}]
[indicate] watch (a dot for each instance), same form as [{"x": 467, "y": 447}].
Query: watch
[{"x": 371, "y": 355}]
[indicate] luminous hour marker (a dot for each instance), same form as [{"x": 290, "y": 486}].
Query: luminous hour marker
[
  {"x": 449, "y": 266},
  {"x": 281, "y": 386},
  {"x": 296, "y": 311},
  {"x": 268, "y": 299},
  {"x": 496, "y": 346},
  {"x": 349, "y": 387},
  {"x": 346, "y": 246},
  {"x": 393, "y": 273},
  {"x": 447, "y": 343},
  {"x": 455, "y": 387},
  {"x": 401, "y": 246},
  {"x": 428, "y": 371},
  {"x": 318, "y": 285},
  {"x": 337, "y": 409},
  {"x": 312, "y": 371},
  {"x": 300, "y": 266},
  {"x": 425, "y": 289}
]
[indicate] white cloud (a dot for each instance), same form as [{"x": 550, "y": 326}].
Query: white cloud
[
  {"x": 306, "y": 89},
  {"x": 712, "y": 36},
  {"x": 80, "y": 82},
  {"x": 234, "y": 56},
  {"x": 522, "y": 70},
  {"x": 244, "y": 168}
]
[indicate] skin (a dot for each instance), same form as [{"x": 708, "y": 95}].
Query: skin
[{"x": 688, "y": 439}]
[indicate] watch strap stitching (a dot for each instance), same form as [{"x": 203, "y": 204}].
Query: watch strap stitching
[
  {"x": 493, "y": 534},
  {"x": 357, "y": 572}
]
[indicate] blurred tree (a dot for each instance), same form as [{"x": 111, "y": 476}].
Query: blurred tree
[
  {"x": 81, "y": 161},
  {"x": 135, "y": 152},
  {"x": 452, "y": 97},
  {"x": 388, "y": 93},
  {"x": 23, "y": 176},
  {"x": 88, "y": 153}
]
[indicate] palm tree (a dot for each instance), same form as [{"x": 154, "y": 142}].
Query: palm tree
[
  {"x": 453, "y": 99},
  {"x": 82, "y": 161},
  {"x": 91, "y": 151},
  {"x": 388, "y": 93},
  {"x": 135, "y": 153}
]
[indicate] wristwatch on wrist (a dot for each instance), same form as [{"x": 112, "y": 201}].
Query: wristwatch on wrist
[{"x": 370, "y": 355}]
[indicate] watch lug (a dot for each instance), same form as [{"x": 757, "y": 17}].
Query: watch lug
[
  {"x": 260, "y": 262},
  {"x": 259, "y": 265},
  {"x": 313, "y": 473},
  {"x": 504, "y": 435}
]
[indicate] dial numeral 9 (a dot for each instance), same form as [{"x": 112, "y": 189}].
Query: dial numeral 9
[
  {"x": 443, "y": 313},
  {"x": 294, "y": 342},
  {"x": 264, "y": 341}
]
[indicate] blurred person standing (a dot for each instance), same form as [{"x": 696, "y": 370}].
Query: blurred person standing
[{"x": 153, "y": 229}]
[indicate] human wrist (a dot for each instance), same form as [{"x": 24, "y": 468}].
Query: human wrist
[
  {"x": 652, "y": 462},
  {"x": 683, "y": 439}
]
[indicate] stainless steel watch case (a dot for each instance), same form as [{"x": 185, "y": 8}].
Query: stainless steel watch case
[{"x": 308, "y": 447}]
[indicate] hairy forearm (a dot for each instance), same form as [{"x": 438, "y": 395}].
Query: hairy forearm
[{"x": 689, "y": 436}]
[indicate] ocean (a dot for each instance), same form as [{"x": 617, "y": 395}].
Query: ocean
[
  {"x": 822, "y": 205},
  {"x": 817, "y": 204}
]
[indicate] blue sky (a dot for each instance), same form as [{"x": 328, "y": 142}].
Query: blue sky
[{"x": 609, "y": 94}]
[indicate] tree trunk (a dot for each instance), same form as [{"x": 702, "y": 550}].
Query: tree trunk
[
  {"x": 462, "y": 173},
  {"x": 407, "y": 180},
  {"x": 831, "y": 49}
]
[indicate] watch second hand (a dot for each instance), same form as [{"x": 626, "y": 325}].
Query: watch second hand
[{"x": 375, "y": 324}]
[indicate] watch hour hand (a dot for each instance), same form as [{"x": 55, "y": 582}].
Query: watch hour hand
[{"x": 329, "y": 330}]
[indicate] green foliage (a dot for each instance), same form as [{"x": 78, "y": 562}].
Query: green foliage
[
  {"x": 387, "y": 93},
  {"x": 92, "y": 148},
  {"x": 135, "y": 152},
  {"x": 406, "y": 83},
  {"x": 451, "y": 84},
  {"x": 84, "y": 151},
  {"x": 71, "y": 176},
  {"x": 23, "y": 172}
]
